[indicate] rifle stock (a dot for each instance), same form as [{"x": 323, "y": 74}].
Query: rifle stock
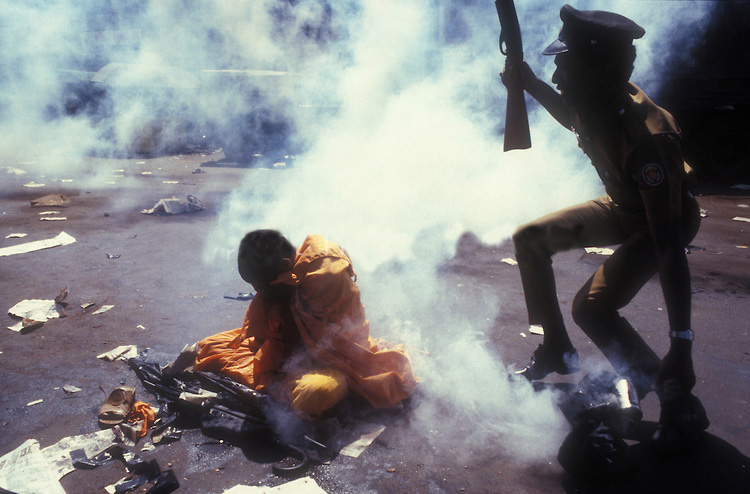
[{"x": 517, "y": 135}]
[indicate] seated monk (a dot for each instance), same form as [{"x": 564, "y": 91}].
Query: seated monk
[{"x": 305, "y": 339}]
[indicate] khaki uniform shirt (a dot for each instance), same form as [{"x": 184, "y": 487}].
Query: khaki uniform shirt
[{"x": 638, "y": 157}]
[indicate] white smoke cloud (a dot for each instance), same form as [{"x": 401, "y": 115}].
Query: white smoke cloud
[{"x": 409, "y": 159}]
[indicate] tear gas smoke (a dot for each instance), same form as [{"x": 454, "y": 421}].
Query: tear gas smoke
[{"x": 394, "y": 108}]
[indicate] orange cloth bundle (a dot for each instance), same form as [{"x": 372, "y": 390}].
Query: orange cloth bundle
[
  {"x": 142, "y": 411},
  {"x": 330, "y": 320}
]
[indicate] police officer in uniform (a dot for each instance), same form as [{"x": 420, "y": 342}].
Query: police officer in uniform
[{"x": 648, "y": 211}]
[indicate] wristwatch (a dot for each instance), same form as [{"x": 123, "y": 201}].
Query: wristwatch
[{"x": 688, "y": 334}]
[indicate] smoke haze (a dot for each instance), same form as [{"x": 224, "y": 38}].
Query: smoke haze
[{"x": 397, "y": 109}]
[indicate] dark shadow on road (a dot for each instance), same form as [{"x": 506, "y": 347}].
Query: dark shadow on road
[{"x": 711, "y": 465}]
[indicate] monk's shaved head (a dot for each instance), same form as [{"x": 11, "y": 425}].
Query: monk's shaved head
[{"x": 261, "y": 256}]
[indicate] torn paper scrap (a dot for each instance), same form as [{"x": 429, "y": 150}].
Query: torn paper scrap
[
  {"x": 33, "y": 184},
  {"x": 740, "y": 218},
  {"x": 536, "y": 329},
  {"x": 510, "y": 261},
  {"x": 103, "y": 309},
  {"x": 14, "y": 171},
  {"x": 70, "y": 389},
  {"x": 31, "y": 312},
  {"x": 305, "y": 485},
  {"x": 51, "y": 200},
  {"x": 25, "y": 470},
  {"x": 61, "y": 239},
  {"x": 175, "y": 206},
  {"x": 35, "y": 402},
  {"x": 53, "y": 218},
  {"x": 370, "y": 433},
  {"x": 122, "y": 352},
  {"x": 16, "y": 235},
  {"x": 602, "y": 251},
  {"x": 58, "y": 455}
]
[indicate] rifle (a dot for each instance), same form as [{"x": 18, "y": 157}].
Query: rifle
[{"x": 517, "y": 134}]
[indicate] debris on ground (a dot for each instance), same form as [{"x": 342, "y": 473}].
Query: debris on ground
[
  {"x": 25, "y": 470},
  {"x": 304, "y": 485},
  {"x": 112, "y": 256},
  {"x": 53, "y": 218},
  {"x": 239, "y": 296},
  {"x": 175, "y": 206},
  {"x": 16, "y": 235},
  {"x": 367, "y": 434},
  {"x": 60, "y": 299},
  {"x": 33, "y": 184},
  {"x": 70, "y": 389},
  {"x": 741, "y": 218},
  {"x": 508, "y": 260},
  {"x": 536, "y": 329},
  {"x": 61, "y": 239},
  {"x": 198, "y": 170},
  {"x": 33, "y": 313},
  {"x": 601, "y": 251},
  {"x": 60, "y": 454},
  {"x": 122, "y": 352},
  {"x": 51, "y": 200},
  {"x": 102, "y": 309},
  {"x": 35, "y": 402},
  {"x": 13, "y": 171}
]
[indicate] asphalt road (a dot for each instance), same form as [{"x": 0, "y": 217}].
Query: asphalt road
[{"x": 164, "y": 296}]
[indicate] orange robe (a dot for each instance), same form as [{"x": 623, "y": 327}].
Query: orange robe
[{"x": 328, "y": 318}]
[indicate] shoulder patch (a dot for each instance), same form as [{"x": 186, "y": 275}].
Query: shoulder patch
[{"x": 652, "y": 174}]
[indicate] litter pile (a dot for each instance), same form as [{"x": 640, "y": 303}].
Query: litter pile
[{"x": 176, "y": 206}]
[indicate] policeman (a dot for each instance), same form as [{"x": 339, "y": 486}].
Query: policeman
[{"x": 648, "y": 211}]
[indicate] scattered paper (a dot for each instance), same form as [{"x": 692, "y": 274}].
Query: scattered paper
[
  {"x": 102, "y": 309},
  {"x": 740, "y": 218},
  {"x": 175, "y": 206},
  {"x": 58, "y": 455},
  {"x": 16, "y": 235},
  {"x": 51, "y": 200},
  {"x": 32, "y": 311},
  {"x": 49, "y": 212},
  {"x": 536, "y": 329},
  {"x": 61, "y": 239},
  {"x": 602, "y": 251},
  {"x": 122, "y": 352},
  {"x": 33, "y": 184},
  {"x": 368, "y": 433},
  {"x": 510, "y": 261},
  {"x": 25, "y": 470},
  {"x": 70, "y": 389},
  {"x": 14, "y": 171},
  {"x": 87, "y": 305},
  {"x": 53, "y": 218},
  {"x": 305, "y": 485},
  {"x": 35, "y": 402}
]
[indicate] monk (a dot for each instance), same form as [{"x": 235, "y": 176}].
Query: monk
[{"x": 305, "y": 338}]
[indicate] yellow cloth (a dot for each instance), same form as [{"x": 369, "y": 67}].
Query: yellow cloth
[
  {"x": 328, "y": 317},
  {"x": 318, "y": 391}
]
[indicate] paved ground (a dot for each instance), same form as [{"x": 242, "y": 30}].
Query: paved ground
[{"x": 164, "y": 297}]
